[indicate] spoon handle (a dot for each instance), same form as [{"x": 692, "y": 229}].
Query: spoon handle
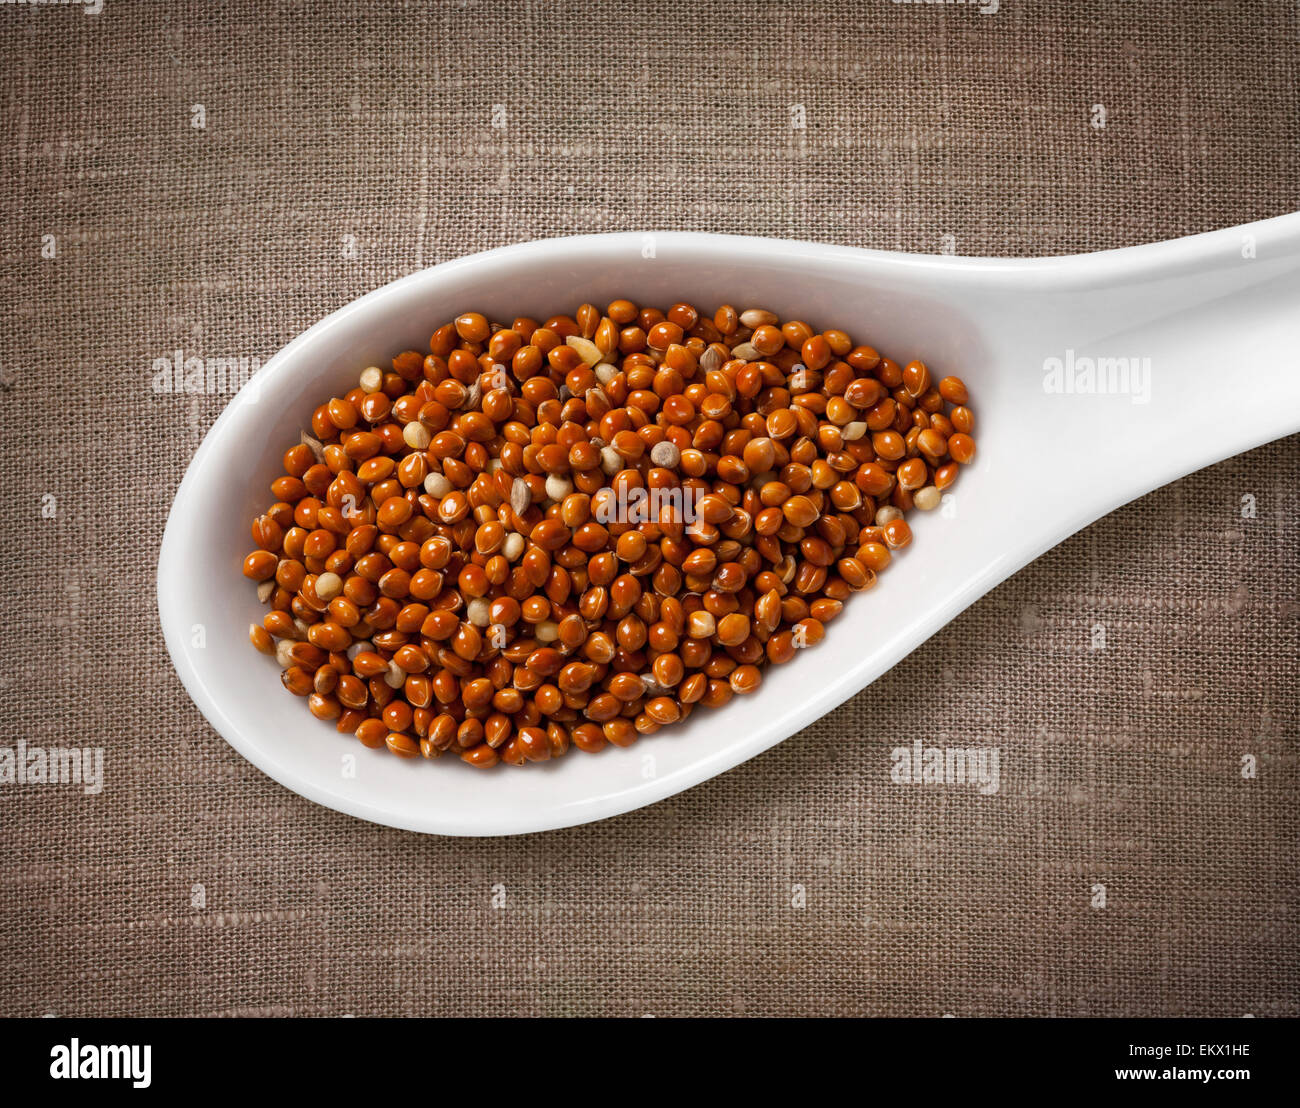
[{"x": 1116, "y": 373}]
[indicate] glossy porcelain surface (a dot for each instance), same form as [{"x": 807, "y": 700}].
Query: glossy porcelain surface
[{"x": 1210, "y": 326}]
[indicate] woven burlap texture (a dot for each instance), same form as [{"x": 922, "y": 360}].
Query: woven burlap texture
[{"x": 1126, "y": 866}]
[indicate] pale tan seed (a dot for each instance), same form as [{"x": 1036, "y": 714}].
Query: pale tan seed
[
  {"x": 927, "y": 499},
  {"x": 416, "y": 435},
  {"x": 713, "y": 358},
  {"x": 587, "y": 350},
  {"x": 557, "y": 487},
  {"x": 520, "y": 496},
  {"x": 665, "y": 454}
]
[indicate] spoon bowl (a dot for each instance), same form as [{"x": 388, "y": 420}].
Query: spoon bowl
[{"x": 1094, "y": 379}]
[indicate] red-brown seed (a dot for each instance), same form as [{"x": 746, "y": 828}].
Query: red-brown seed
[{"x": 444, "y": 571}]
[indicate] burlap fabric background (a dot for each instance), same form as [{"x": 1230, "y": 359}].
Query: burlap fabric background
[{"x": 349, "y": 143}]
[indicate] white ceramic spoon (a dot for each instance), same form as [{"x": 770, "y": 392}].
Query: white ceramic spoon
[{"x": 1217, "y": 315}]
